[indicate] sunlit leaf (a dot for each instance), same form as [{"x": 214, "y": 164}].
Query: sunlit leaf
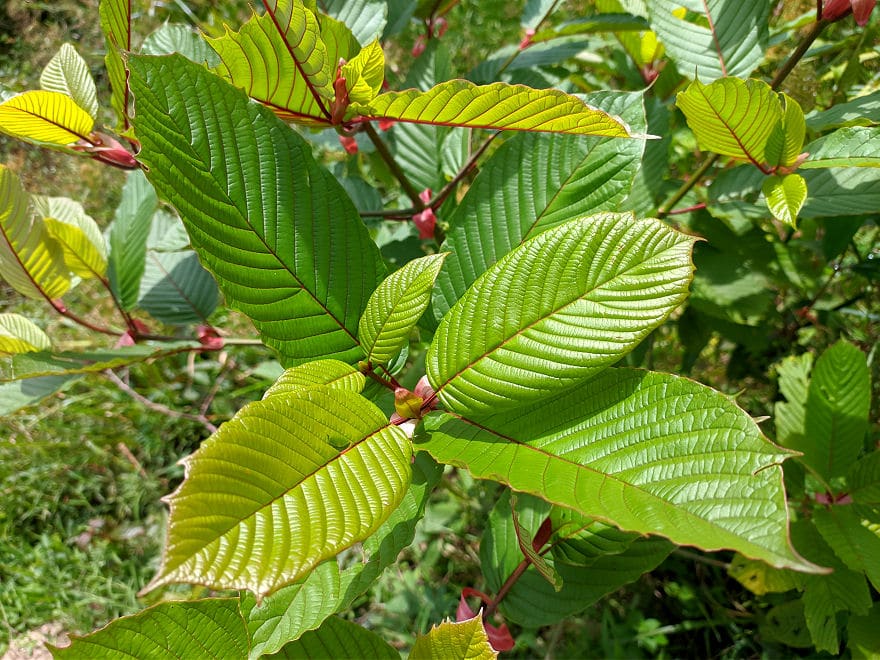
[
  {"x": 557, "y": 310},
  {"x": 651, "y": 453},
  {"x": 69, "y": 74},
  {"x": 45, "y": 117},
  {"x": 128, "y": 238},
  {"x": 116, "y": 26},
  {"x": 340, "y": 640},
  {"x": 760, "y": 578},
  {"x": 20, "y": 335},
  {"x": 85, "y": 251},
  {"x": 319, "y": 373},
  {"x": 269, "y": 467},
  {"x": 854, "y": 543},
  {"x": 785, "y": 196},
  {"x": 847, "y": 147},
  {"x": 786, "y": 142},
  {"x": 465, "y": 639},
  {"x": 366, "y": 19},
  {"x": 365, "y": 73},
  {"x": 174, "y": 38}
]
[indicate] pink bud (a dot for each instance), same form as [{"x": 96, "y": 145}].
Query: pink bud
[
  {"x": 527, "y": 39},
  {"x": 425, "y": 221},
  {"x": 348, "y": 143},
  {"x": 419, "y": 46}
]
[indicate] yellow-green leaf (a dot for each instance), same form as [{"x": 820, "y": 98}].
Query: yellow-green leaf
[
  {"x": 116, "y": 26},
  {"x": 69, "y": 74},
  {"x": 31, "y": 261},
  {"x": 365, "y": 73},
  {"x": 785, "y": 196},
  {"x": 20, "y": 335},
  {"x": 85, "y": 251},
  {"x": 47, "y": 117},
  {"x": 465, "y": 639},
  {"x": 496, "y": 106},
  {"x": 334, "y": 374},
  {"x": 786, "y": 141}
]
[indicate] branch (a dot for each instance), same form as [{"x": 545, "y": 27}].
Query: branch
[{"x": 398, "y": 173}]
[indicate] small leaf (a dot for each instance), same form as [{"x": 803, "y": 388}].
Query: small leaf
[
  {"x": 69, "y": 74},
  {"x": 785, "y": 196},
  {"x": 465, "y": 639},
  {"x": 340, "y": 640},
  {"x": 320, "y": 373},
  {"x": 116, "y": 26},
  {"x": 128, "y": 238},
  {"x": 209, "y": 628},
  {"x": 786, "y": 142},
  {"x": 395, "y": 307},
  {"x": 85, "y": 251},
  {"x": 846, "y": 147},
  {"x": 760, "y": 578},
  {"x": 20, "y": 335},
  {"x": 269, "y": 466},
  {"x": 794, "y": 385},
  {"x": 732, "y": 117},
  {"x": 496, "y": 106},
  {"x": 365, "y": 73},
  {"x": 526, "y": 540},
  {"x": 52, "y": 118}
]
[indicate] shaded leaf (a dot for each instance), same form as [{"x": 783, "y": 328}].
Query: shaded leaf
[
  {"x": 85, "y": 251},
  {"x": 464, "y": 639},
  {"x": 557, "y": 310},
  {"x": 340, "y": 640},
  {"x": 794, "y": 385},
  {"x": 864, "y": 634},
  {"x": 861, "y": 111},
  {"x": 43, "y": 117},
  {"x": 176, "y": 290},
  {"x": 320, "y": 373},
  {"x": 69, "y": 74},
  {"x": 786, "y": 623},
  {"x": 175, "y": 38},
  {"x": 842, "y": 191},
  {"x": 20, "y": 335},
  {"x": 785, "y": 196},
  {"x": 21, "y": 393},
  {"x": 365, "y": 19},
  {"x": 864, "y": 480},
  {"x": 855, "y": 544},
  {"x": 116, "y": 26},
  {"x": 128, "y": 238}
]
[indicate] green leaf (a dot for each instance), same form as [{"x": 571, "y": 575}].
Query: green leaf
[
  {"x": 786, "y": 624},
  {"x": 855, "y": 544},
  {"x": 84, "y": 248},
  {"x": 861, "y": 111},
  {"x": 864, "y": 634},
  {"x": 535, "y": 182},
  {"x": 175, "y": 289},
  {"x": 648, "y": 452},
  {"x": 280, "y": 59},
  {"x": 557, "y": 310},
  {"x": 525, "y": 538},
  {"x": 712, "y": 38},
  {"x": 23, "y": 393},
  {"x": 464, "y": 639},
  {"x": 794, "y": 385},
  {"x": 69, "y": 74},
  {"x": 31, "y": 261},
  {"x": 320, "y": 373},
  {"x": 732, "y": 117},
  {"x": 272, "y": 249},
  {"x": 842, "y": 191},
  {"x": 837, "y": 411},
  {"x": 365, "y": 73},
  {"x": 340, "y": 640},
  {"x": 846, "y": 147},
  {"x": 864, "y": 480},
  {"x": 364, "y": 18},
  {"x": 20, "y": 335},
  {"x": 49, "y": 118},
  {"x": 116, "y": 26},
  {"x": 269, "y": 467},
  {"x": 785, "y": 196},
  {"x": 760, "y": 578},
  {"x": 786, "y": 142},
  {"x": 45, "y": 363},
  {"x": 495, "y": 106},
  {"x": 128, "y": 238},
  {"x": 331, "y": 586},
  {"x": 395, "y": 307},
  {"x": 175, "y": 38},
  {"x": 209, "y": 628}
]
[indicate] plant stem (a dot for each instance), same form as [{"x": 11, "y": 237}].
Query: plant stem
[
  {"x": 59, "y": 307},
  {"x": 695, "y": 178},
  {"x": 506, "y": 587},
  {"x": 398, "y": 173},
  {"x": 441, "y": 196}
]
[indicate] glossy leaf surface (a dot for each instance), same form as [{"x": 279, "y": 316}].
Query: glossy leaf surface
[
  {"x": 320, "y": 373},
  {"x": 50, "y": 118},
  {"x": 648, "y": 452},
  {"x": 464, "y": 639},
  {"x": 68, "y": 73},
  {"x": 557, "y": 310},
  {"x": 270, "y": 466},
  {"x": 272, "y": 249},
  {"x": 20, "y": 335},
  {"x": 339, "y": 639}
]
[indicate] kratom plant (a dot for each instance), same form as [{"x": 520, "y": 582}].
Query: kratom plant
[{"x": 496, "y": 344}]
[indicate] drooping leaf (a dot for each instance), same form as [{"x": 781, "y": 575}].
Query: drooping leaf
[
  {"x": 320, "y": 373},
  {"x": 22, "y": 393},
  {"x": 175, "y": 289},
  {"x": 210, "y": 628},
  {"x": 340, "y": 640},
  {"x": 557, "y": 310},
  {"x": 854, "y": 543},
  {"x": 732, "y": 117},
  {"x": 128, "y": 238},
  {"x": 846, "y": 147},
  {"x": 861, "y": 111},
  {"x": 495, "y": 106},
  {"x": 395, "y": 307},
  {"x": 49, "y": 118},
  {"x": 270, "y": 466},
  {"x": 175, "y": 38},
  {"x": 785, "y": 196},
  {"x": 85, "y": 251},
  {"x": 712, "y": 38},
  {"x": 331, "y": 586},
  {"x": 837, "y": 410},
  {"x": 464, "y": 639},
  {"x": 31, "y": 261},
  {"x": 787, "y": 139},
  {"x": 365, "y": 73},
  {"x": 280, "y": 59},
  {"x": 651, "y": 453},
  {"x": 760, "y": 578},
  {"x": 69, "y": 74},
  {"x": 366, "y": 19},
  {"x": 116, "y": 26},
  {"x": 272, "y": 249},
  {"x": 21, "y": 335},
  {"x": 532, "y": 183}
]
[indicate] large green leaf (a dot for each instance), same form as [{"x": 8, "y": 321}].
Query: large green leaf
[
  {"x": 49, "y": 118},
  {"x": 495, "y": 106},
  {"x": 557, "y": 310},
  {"x": 320, "y": 373},
  {"x": 116, "y": 26},
  {"x": 534, "y": 182},
  {"x": 20, "y": 335},
  {"x": 85, "y": 251},
  {"x": 277, "y": 231},
  {"x": 837, "y": 410},
  {"x": 395, "y": 307},
  {"x": 31, "y": 261},
  {"x": 861, "y": 111},
  {"x": 128, "y": 238},
  {"x": 290, "y": 481},
  {"x": 211, "y": 628},
  {"x": 69, "y": 74},
  {"x": 847, "y": 147},
  {"x": 712, "y": 38},
  {"x": 842, "y": 191},
  {"x": 648, "y": 452},
  {"x": 463, "y": 639},
  {"x": 331, "y": 586},
  {"x": 340, "y": 640}
]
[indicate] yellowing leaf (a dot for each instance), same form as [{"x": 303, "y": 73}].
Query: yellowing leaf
[
  {"x": 365, "y": 73},
  {"x": 785, "y": 196},
  {"x": 19, "y": 335},
  {"x": 69, "y": 74},
  {"x": 465, "y": 639},
  {"x": 85, "y": 251},
  {"x": 41, "y": 116},
  {"x": 496, "y": 106}
]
